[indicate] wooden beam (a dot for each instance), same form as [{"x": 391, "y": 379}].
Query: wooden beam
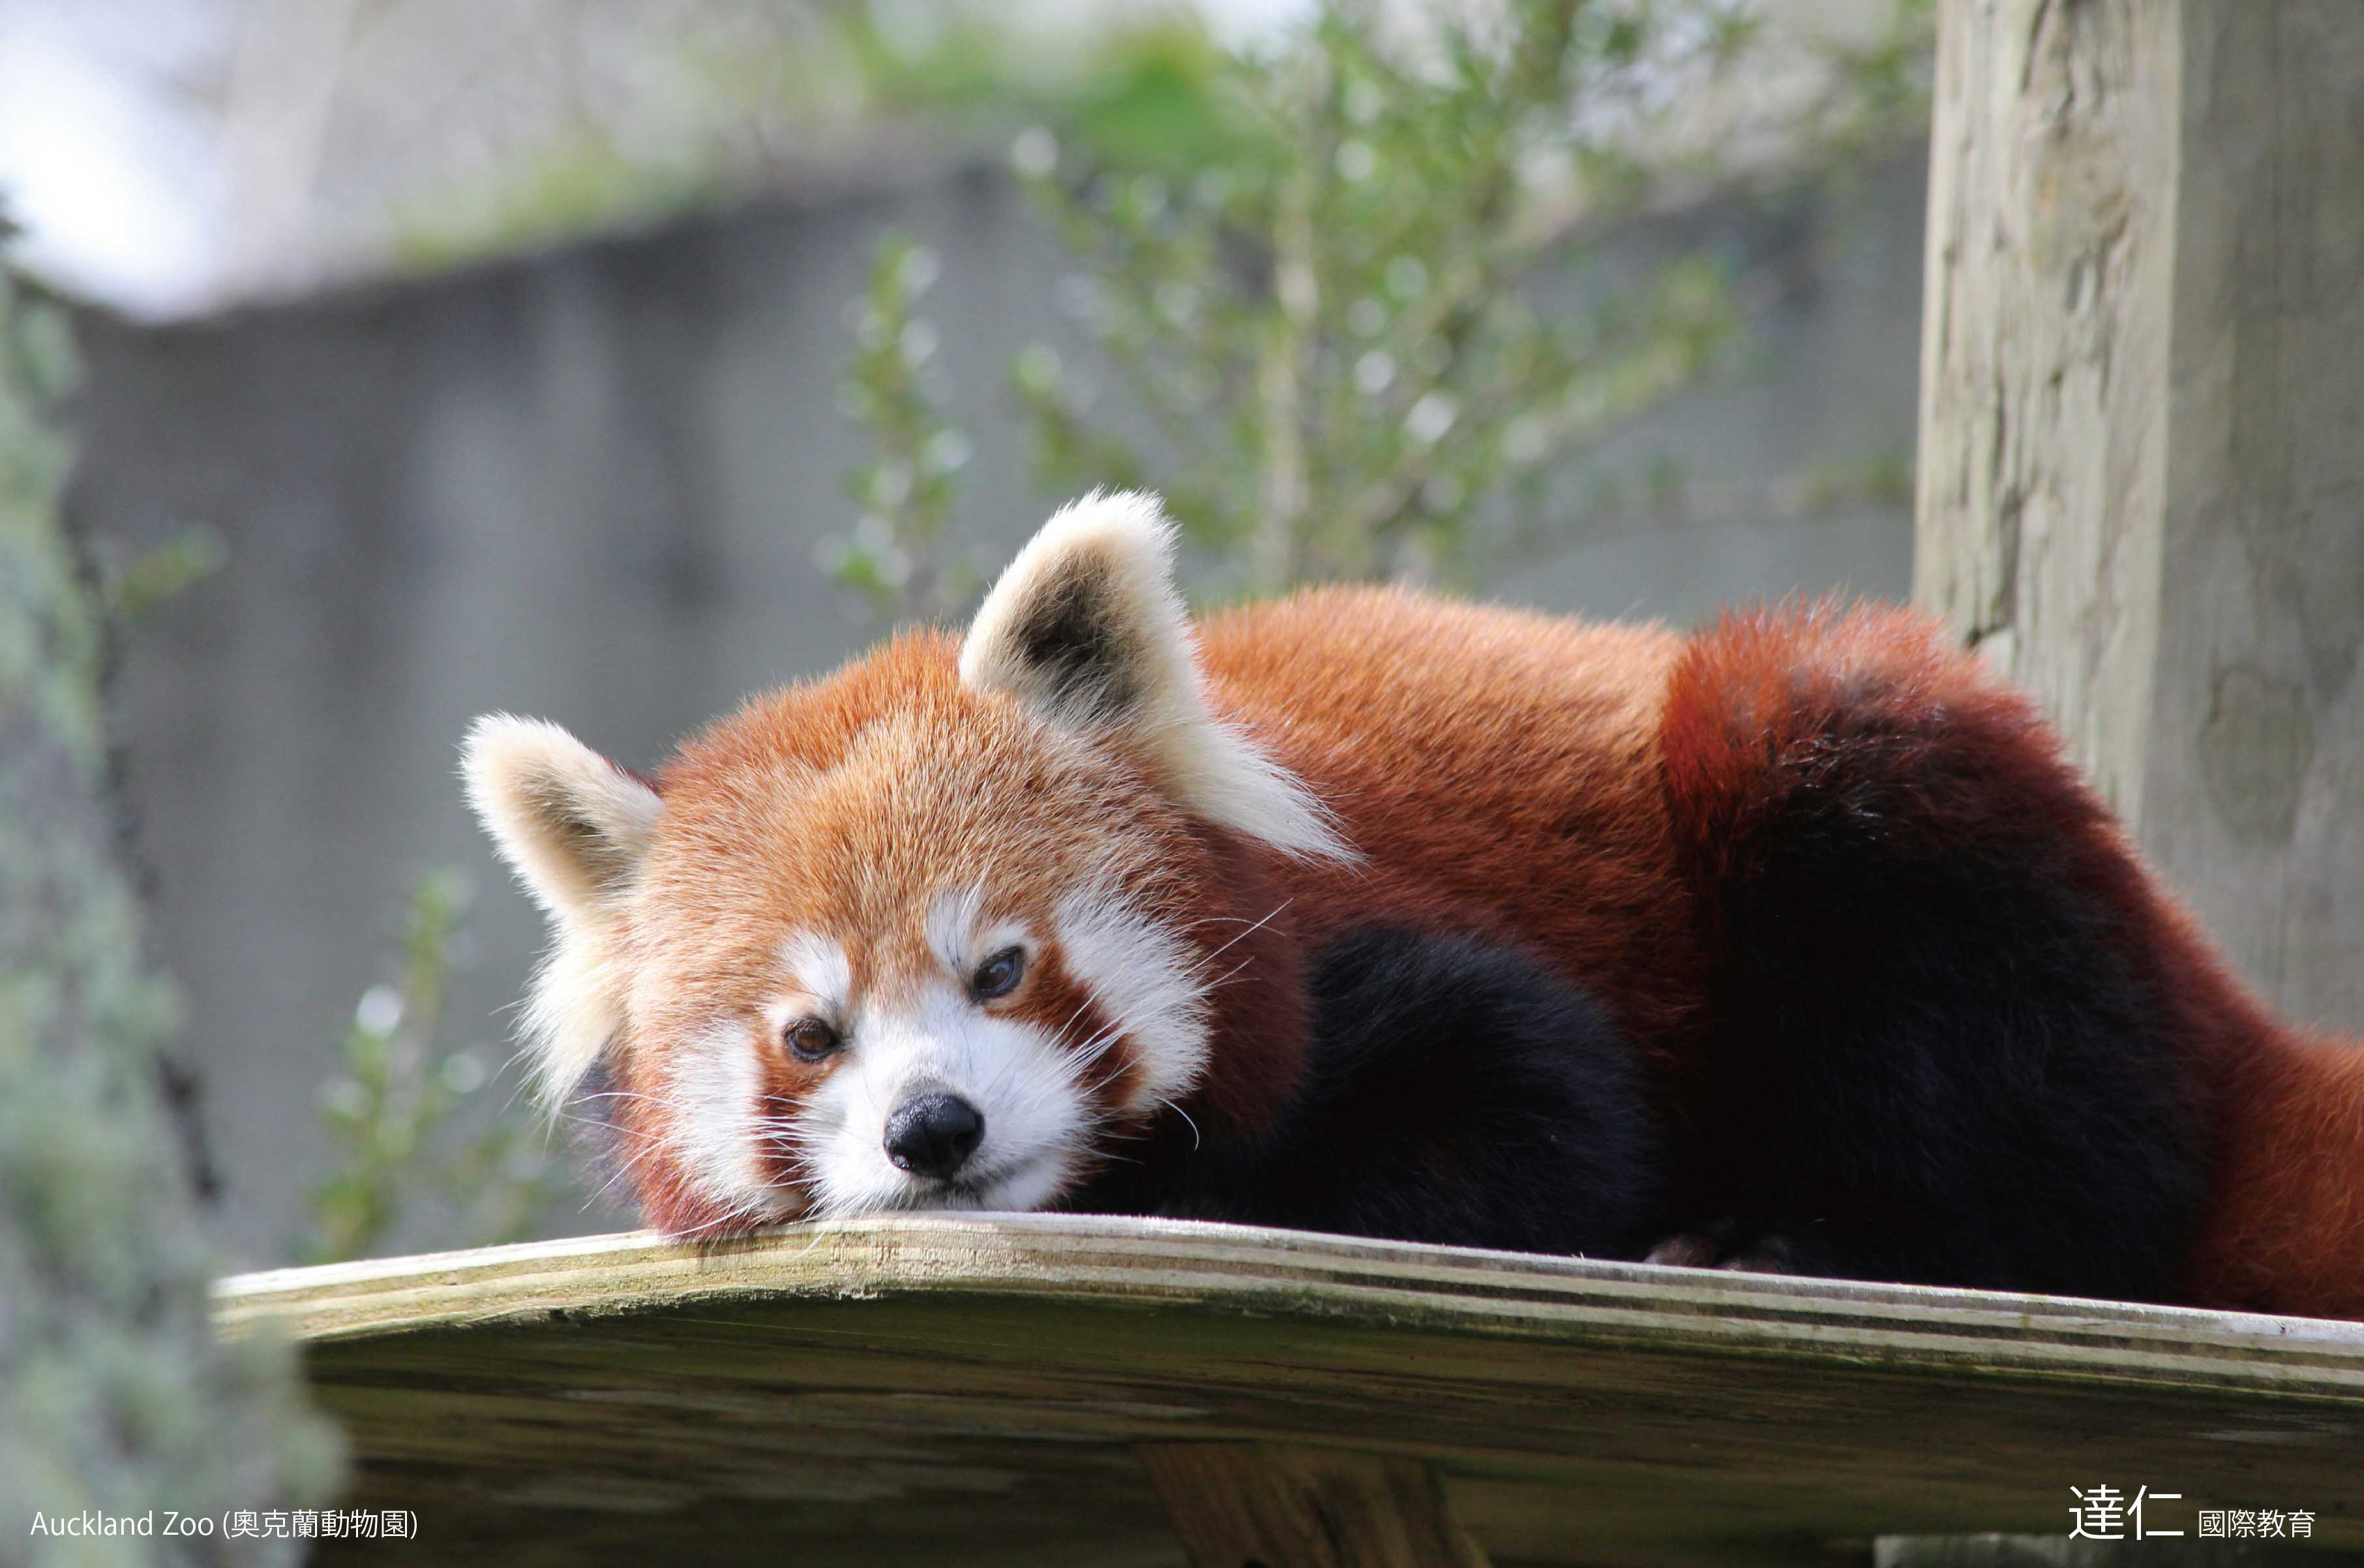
[
  {"x": 1269, "y": 1505},
  {"x": 2141, "y": 486},
  {"x": 1010, "y": 1390}
]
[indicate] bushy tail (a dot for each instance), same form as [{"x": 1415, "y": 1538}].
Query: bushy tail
[
  {"x": 1965, "y": 1034},
  {"x": 2285, "y": 1231}
]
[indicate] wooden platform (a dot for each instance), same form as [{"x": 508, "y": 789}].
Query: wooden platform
[{"x": 1020, "y": 1390}]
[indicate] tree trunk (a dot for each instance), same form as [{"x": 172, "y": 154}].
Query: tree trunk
[{"x": 2142, "y": 433}]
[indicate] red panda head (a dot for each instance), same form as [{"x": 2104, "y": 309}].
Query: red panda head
[{"x": 927, "y": 933}]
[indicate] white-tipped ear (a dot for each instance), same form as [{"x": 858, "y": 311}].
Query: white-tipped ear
[
  {"x": 1086, "y": 629},
  {"x": 574, "y": 824},
  {"x": 575, "y": 827}
]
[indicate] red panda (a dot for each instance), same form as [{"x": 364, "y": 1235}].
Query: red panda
[{"x": 1792, "y": 942}]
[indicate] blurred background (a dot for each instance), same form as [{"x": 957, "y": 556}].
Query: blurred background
[{"x": 608, "y": 362}]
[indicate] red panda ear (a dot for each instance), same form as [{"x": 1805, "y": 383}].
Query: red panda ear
[
  {"x": 575, "y": 826},
  {"x": 1085, "y": 629},
  {"x": 572, "y": 824}
]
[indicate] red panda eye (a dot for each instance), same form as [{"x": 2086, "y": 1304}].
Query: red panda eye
[
  {"x": 998, "y": 975},
  {"x": 811, "y": 1039}
]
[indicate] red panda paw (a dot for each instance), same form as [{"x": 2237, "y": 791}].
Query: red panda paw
[
  {"x": 1691, "y": 1250},
  {"x": 1728, "y": 1244}
]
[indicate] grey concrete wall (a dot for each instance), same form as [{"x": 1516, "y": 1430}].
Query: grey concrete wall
[{"x": 589, "y": 486}]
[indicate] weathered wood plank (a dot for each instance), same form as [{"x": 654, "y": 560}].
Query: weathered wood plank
[
  {"x": 1266, "y": 1505},
  {"x": 868, "y": 1391},
  {"x": 2060, "y": 1551}
]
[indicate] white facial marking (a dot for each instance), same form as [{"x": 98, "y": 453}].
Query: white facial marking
[
  {"x": 958, "y": 936},
  {"x": 1017, "y": 1075},
  {"x": 824, "y": 979},
  {"x": 951, "y": 916},
  {"x": 1150, "y": 985},
  {"x": 716, "y": 1091},
  {"x": 1034, "y": 1086},
  {"x": 573, "y": 1010}
]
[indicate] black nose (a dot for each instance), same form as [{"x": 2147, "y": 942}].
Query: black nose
[{"x": 933, "y": 1134}]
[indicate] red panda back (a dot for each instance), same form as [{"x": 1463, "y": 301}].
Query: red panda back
[
  {"x": 1594, "y": 794},
  {"x": 1498, "y": 770}
]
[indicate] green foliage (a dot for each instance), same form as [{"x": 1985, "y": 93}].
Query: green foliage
[
  {"x": 135, "y": 584},
  {"x": 1883, "y": 83},
  {"x": 576, "y": 185},
  {"x": 894, "y": 558},
  {"x": 1345, "y": 285},
  {"x": 1334, "y": 328},
  {"x": 1154, "y": 104},
  {"x": 114, "y": 1394},
  {"x": 1342, "y": 285},
  {"x": 395, "y": 1112},
  {"x": 780, "y": 90},
  {"x": 959, "y": 60}
]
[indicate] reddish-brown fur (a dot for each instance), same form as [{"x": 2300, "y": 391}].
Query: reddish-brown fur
[
  {"x": 2285, "y": 1230},
  {"x": 1499, "y": 769},
  {"x": 1575, "y": 790},
  {"x": 899, "y": 778}
]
